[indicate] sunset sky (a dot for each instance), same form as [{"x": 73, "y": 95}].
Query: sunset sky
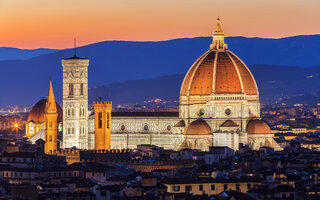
[{"x": 54, "y": 23}]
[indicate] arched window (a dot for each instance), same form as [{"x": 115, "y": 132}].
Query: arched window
[
  {"x": 72, "y": 111},
  {"x": 68, "y": 130},
  {"x": 68, "y": 111},
  {"x": 72, "y": 130}
]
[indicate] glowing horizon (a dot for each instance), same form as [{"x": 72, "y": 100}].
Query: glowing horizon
[{"x": 54, "y": 24}]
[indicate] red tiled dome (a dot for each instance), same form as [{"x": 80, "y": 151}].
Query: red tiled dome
[
  {"x": 37, "y": 112},
  {"x": 258, "y": 126},
  {"x": 220, "y": 72},
  {"x": 198, "y": 127}
]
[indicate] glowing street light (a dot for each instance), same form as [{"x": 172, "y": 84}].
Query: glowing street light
[{"x": 16, "y": 126}]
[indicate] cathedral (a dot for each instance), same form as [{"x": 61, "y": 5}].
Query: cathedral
[{"x": 219, "y": 106}]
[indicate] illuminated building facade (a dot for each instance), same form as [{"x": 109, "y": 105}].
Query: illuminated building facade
[{"x": 219, "y": 106}]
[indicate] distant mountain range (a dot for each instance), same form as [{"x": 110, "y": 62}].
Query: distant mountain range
[
  {"x": 10, "y": 53},
  {"x": 117, "y": 62}
]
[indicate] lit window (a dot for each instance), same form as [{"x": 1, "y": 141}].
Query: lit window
[{"x": 176, "y": 188}]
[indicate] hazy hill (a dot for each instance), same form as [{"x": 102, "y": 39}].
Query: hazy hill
[
  {"x": 9, "y": 53},
  {"x": 25, "y": 81}
]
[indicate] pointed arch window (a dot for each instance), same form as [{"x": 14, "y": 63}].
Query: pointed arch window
[{"x": 70, "y": 89}]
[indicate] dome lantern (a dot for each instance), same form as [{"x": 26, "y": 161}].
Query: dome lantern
[{"x": 218, "y": 38}]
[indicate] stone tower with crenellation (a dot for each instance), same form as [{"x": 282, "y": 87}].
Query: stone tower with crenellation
[
  {"x": 102, "y": 113},
  {"x": 75, "y": 102}
]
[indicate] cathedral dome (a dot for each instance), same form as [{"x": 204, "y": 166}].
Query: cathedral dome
[
  {"x": 198, "y": 127},
  {"x": 218, "y": 71},
  {"x": 258, "y": 126},
  {"x": 37, "y": 112}
]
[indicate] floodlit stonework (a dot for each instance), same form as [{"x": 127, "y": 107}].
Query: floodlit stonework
[
  {"x": 219, "y": 106},
  {"x": 75, "y": 102}
]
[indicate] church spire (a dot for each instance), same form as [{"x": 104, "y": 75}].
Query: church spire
[
  {"x": 51, "y": 103},
  {"x": 218, "y": 38}
]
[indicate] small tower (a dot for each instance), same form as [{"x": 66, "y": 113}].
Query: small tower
[
  {"x": 102, "y": 125},
  {"x": 75, "y": 102},
  {"x": 51, "y": 123}
]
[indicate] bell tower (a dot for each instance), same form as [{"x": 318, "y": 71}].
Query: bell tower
[
  {"x": 51, "y": 123},
  {"x": 102, "y": 125},
  {"x": 75, "y": 102}
]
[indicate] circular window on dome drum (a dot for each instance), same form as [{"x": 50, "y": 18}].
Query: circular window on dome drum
[
  {"x": 122, "y": 127},
  {"x": 146, "y": 127},
  {"x": 201, "y": 112},
  {"x": 227, "y": 111},
  {"x": 169, "y": 128}
]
